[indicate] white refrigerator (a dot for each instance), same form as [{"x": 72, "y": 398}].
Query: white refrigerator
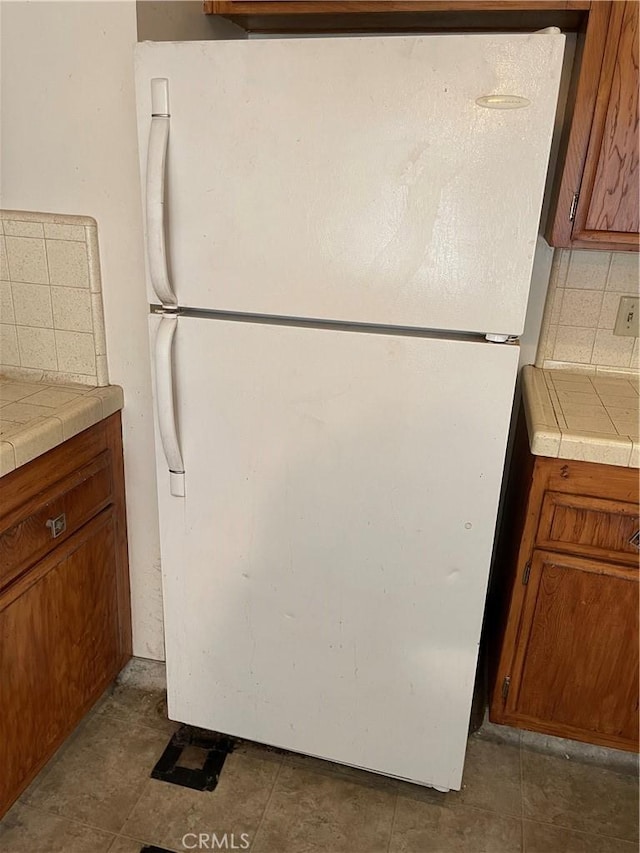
[{"x": 340, "y": 235}]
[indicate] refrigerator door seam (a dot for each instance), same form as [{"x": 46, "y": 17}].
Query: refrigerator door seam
[{"x": 333, "y": 325}]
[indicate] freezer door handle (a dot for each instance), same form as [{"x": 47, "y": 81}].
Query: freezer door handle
[
  {"x": 156, "y": 176},
  {"x": 165, "y": 404}
]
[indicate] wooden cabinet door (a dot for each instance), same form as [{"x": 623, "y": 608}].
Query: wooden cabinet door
[
  {"x": 596, "y": 202},
  {"x": 575, "y": 667},
  {"x": 608, "y": 208},
  {"x": 59, "y": 649}
]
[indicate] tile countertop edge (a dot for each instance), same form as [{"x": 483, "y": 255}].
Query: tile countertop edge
[
  {"x": 39, "y": 436},
  {"x": 548, "y": 437}
]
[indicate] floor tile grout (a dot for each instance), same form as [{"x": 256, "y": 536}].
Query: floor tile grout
[
  {"x": 138, "y": 840},
  {"x": 522, "y": 841},
  {"x": 123, "y": 719},
  {"x": 579, "y": 831},
  {"x": 487, "y": 807},
  {"x": 70, "y": 819},
  {"x": 268, "y": 803},
  {"x": 393, "y": 820},
  {"x": 143, "y": 789}
]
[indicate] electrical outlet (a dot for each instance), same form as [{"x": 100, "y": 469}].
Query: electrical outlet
[{"x": 627, "y": 319}]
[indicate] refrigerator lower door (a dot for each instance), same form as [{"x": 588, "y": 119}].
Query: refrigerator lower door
[{"x": 325, "y": 573}]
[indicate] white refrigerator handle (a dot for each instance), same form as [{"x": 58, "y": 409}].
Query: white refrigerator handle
[
  {"x": 156, "y": 168},
  {"x": 165, "y": 405}
]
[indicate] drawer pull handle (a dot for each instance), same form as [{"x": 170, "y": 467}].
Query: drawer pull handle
[
  {"x": 57, "y": 525},
  {"x": 635, "y": 540}
]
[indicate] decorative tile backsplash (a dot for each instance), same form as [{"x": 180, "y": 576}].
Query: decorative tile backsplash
[
  {"x": 582, "y": 303},
  {"x": 51, "y": 318}
]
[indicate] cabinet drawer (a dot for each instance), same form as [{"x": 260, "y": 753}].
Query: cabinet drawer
[
  {"x": 40, "y": 524},
  {"x": 589, "y": 526}
]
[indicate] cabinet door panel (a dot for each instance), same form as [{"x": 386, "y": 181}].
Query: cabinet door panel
[
  {"x": 608, "y": 205},
  {"x": 569, "y": 675},
  {"x": 613, "y": 205},
  {"x": 602, "y": 529},
  {"x": 598, "y": 161},
  {"x": 58, "y": 649}
]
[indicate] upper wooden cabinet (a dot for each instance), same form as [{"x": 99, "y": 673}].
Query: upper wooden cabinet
[
  {"x": 595, "y": 202},
  {"x": 339, "y": 7},
  {"x": 290, "y": 16}
]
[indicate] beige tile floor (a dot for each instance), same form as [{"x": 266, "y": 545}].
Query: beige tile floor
[{"x": 96, "y": 795}]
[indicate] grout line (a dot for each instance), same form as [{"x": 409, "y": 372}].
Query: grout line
[
  {"x": 393, "y": 820},
  {"x": 143, "y": 791},
  {"x": 6, "y": 257},
  {"x": 578, "y": 831},
  {"x": 124, "y": 719},
  {"x": 140, "y": 841},
  {"x": 576, "y": 326},
  {"x": 53, "y": 328},
  {"x": 268, "y": 803},
  {"x": 522, "y": 818},
  {"x": 66, "y": 817}
]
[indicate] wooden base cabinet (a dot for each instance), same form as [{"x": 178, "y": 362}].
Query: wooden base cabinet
[
  {"x": 566, "y": 657},
  {"x": 64, "y": 611}
]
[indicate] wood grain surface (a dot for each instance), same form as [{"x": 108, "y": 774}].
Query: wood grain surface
[
  {"x": 58, "y": 650},
  {"x": 612, "y": 189},
  {"x": 576, "y": 668},
  {"x": 278, "y": 7},
  {"x": 568, "y": 578},
  {"x": 65, "y": 618}
]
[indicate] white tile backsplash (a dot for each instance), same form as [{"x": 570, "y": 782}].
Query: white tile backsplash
[
  {"x": 4, "y": 266},
  {"x": 76, "y": 352},
  {"x": 72, "y": 309},
  {"x": 612, "y": 349},
  {"x": 51, "y": 316},
  {"x": 32, "y": 305},
  {"x": 586, "y": 270},
  {"x": 624, "y": 272},
  {"x": 574, "y": 343},
  {"x": 17, "y": 228},
  {"x": 57, "y": 231},
  {"x": 7, "y": 314},
  {"x": 584, "y": 294},
  {"x": 68, "y": 265},
  {"x": 580, "y": 307},
  {"x": 9, "y": 353},
  {"x": 37, "y": 348},
  {"x": 27, "y": 260}
]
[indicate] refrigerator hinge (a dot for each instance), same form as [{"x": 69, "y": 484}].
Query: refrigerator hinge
[
  {"x": 505, "y": 687},
  {"x": 574, "y": 207},
  {"x": 526, "y": 573},
  {"x": 166, "y": 310},
  {"x": 500, "y": 339}
]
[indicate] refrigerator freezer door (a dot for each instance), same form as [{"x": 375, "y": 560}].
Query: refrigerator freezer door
[
  {"x": 325, "y": 575},
  {"x": 356, "y": 179}
]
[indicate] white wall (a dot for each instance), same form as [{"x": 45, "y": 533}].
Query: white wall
[
  {"x": 181, "y": 20},
  {"x": 68, "y": 145}
]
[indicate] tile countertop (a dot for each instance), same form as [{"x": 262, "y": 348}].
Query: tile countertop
[
  {"x": 36, "y": 416},
  {"x": 588, "y": 417}
]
